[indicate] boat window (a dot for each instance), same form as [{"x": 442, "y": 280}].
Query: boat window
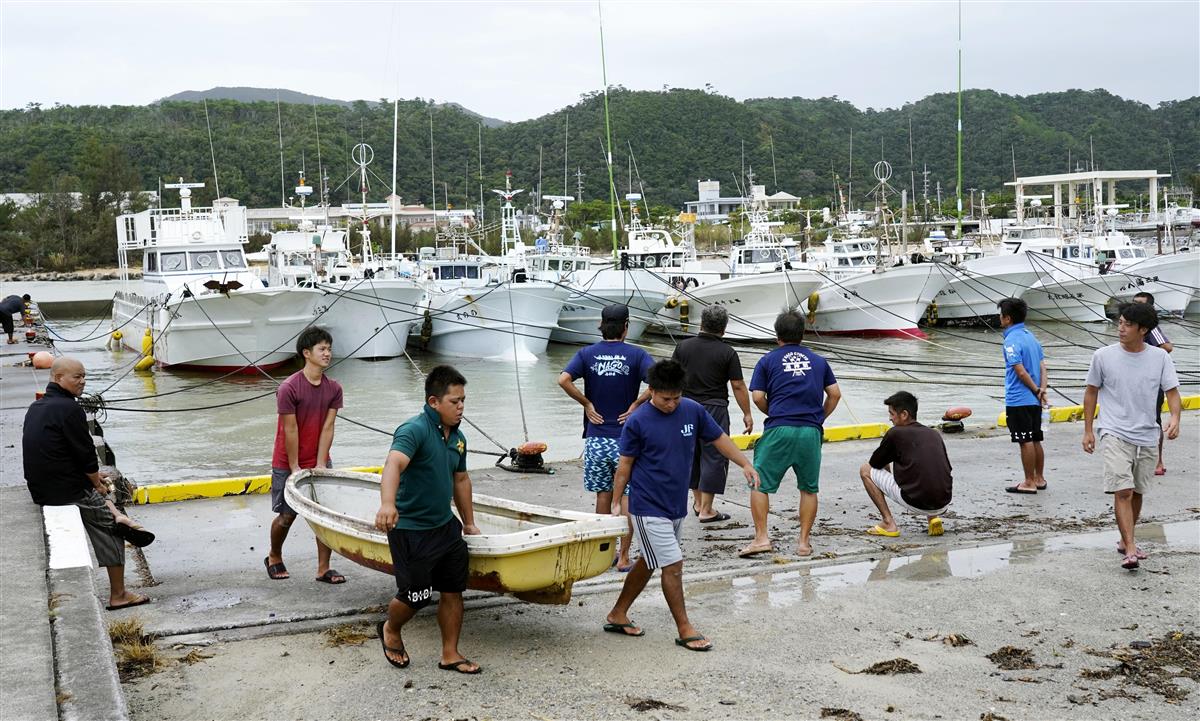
[
  {"x": 150, "y": 262},
  {"x": 173, "y": 261},
  {"x": 206, "y": 260},
  {"x": 553, "y": 264},
  {"x": 473, "y": 272},
  {"x": 1139, "y": 253},
  {"x": 1125, "y": 253},
  {"x": 843, "y": 261},
  {"x": 567, "y": 266},
  {"x": 651, "y": 261},
  {"x": 233, "y": 259}
]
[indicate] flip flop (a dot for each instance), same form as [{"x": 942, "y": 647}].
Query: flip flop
[
  {"x": 878, "y": 530},
  {"x": 1044, "y": 486},
  {"x": 139, "y": 537},
  {"x": 1018, "y": 489},
  {"x": 457, "y": 666},
  {"x": 331, "y": 577},
  {"x": 386, "y": 649},
  {"x": 276, "y": 570},
  {"x": 936, "y": 528},
  {"x": 1130, "y": 562},
  {"x": 625, "y": 569},
  {"x": 752, "y": 552},
  {"x": 140, "y": 602},
  {"x": 620, "y": 628},
  {"x": 683, "y": 642},
  {"x": 716, "y": 518},
  {"x": 1142, "y": 555},
  {"x": 1160, "y": 471}
]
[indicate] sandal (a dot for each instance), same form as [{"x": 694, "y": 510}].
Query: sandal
[
  {"x": 1142, "y": 555},
  {"x": 277, "y": 571},
  {"x": 717, "y": 518},
  {"x": 692, "y": 639},
  {"x": 620, "y": 628},
  {"x": 331, "y": 577},
  {"x": 139, "y": 537},
  {"x": 878, "y": 530},
  {"x": 387, "y": 650},
  {"x": 457, "y": 666},
  {"x": 751, "y": 552},
  {"x": 1130, "y": 562}
]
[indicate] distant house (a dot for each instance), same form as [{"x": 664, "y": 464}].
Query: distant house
[
  {"x": 415, "y": 217},
  {"x": 712, "y": 207}
]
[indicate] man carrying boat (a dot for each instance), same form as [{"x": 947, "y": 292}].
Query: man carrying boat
[
  {"x": 308, "y": 403},
  {"x": 426, "y": 469},
  {"x": 712, "y": 367},
  {"x": 657, "y": 447},
  {"x": 1125, "y": 379},
  {"x": 797, "y": 390},
  {"x": 1025, "y": 383},
  {"x": 910, "y": 467},
  {"x": 612, "y": 372},
  {"x": 62, "y": 469}
]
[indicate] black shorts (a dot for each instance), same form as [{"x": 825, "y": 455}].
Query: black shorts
[
  {"x": 428, "y": 561},
  {"x": 1158, "y": 407},
  {"x": 7, "y": 321},
  {"x": 1024, "y": 423}
]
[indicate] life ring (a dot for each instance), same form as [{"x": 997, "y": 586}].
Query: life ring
[{"x": 691, "y": 283}]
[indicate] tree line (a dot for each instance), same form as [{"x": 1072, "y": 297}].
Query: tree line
[{"x": 86, "y": 164}]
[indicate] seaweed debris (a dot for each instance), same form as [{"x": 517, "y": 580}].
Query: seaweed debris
[
  {"x": 886, "y": 668},
  {"x": 1011, "y": 658},
  {"x": 840, "y": 714},
  {"x": 651, "y": 704},
  {"x": 347, "y": 634},
  {"x": 1154, "y": 666}
]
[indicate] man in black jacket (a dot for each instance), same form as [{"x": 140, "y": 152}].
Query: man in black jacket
[{"x": 61, "y": 469}]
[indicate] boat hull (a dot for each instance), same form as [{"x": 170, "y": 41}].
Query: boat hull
[
  {"x": 1172, "y": 279},
  {"x": 239, "y": 331},
  {"x": 506, "y": 321},
  {"x": 753, "y": 302},
  {"x": 533, "y": 552},
  {"x": 978, "y": 285},
  {"x": 887, "y": 303},
  {"x": 1077, "y": 300},
  {"x": 371, "y": 318},
  {"x": 579, "y": 320}
]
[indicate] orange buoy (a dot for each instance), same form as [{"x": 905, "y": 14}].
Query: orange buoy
[
  {"x": 957, "y": 413},
  {"x": 42, "y": 359},
  {"x": 531, "y": 448}
]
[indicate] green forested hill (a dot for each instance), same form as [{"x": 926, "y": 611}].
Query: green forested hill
[{"x": 677, "y": 136}]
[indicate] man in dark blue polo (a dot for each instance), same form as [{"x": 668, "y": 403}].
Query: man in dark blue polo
[
  {"x": 424, "y": 471},
  {"x": 1024, "y": 393}
]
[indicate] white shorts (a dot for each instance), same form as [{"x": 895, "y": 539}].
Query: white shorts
[
  {"x": 886, "y": 482},
  {"x": 659, "y": 539},
  {"x": 1126, "y": 465}
]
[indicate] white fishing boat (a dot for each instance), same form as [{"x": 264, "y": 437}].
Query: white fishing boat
[
  {"x": 766, "y": 277},
  {"x": 978, "y": 283},
  {"x": 863, "y": 295},
  {"x": 202, "y": 305},
  {"x": 483, "y": 306},
  {"x": 1172, "y": 278},
  {"x": 533, "y": 552}
]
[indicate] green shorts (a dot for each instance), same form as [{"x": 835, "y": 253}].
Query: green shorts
[{"x": 784, "y": 447}]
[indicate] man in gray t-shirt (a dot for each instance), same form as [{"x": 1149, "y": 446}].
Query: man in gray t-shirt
[{"x": 1125, "y": 378}]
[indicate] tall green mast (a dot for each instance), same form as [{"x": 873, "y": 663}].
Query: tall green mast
[
  {"x": 612, "y": 185},
  {"x": 958, "y": 187}
]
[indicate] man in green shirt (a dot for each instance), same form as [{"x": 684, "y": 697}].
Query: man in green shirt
[{"x": 425, "y": 469}]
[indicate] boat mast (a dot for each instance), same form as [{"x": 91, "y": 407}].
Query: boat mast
[
  {"x": 279, "y": 116},
  {"x": 392, "y": 200},
  {"x": 612, "y": 184},
  {"x": 958, "y": 187}
]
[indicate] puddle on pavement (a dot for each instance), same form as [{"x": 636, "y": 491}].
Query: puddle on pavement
[
  {"x": 786, "y": 588},
  {"x": 208, "y": 600}
]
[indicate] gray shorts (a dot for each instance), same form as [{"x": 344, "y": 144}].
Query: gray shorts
[
  {"x": 279, "y": 504},
  {"x": 1126, "y": 465},
  {"x": 659, "y": 539},
  {"x": 98, "y": 522},
  {"x": 710, "y": 469}
]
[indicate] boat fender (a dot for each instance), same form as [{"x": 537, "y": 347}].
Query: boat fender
[
  {"x": 147, "y": 343},
  {"x": 671, "y": 302},
  {"x": 531, "y": 448},
  {"x": 426, "y": 329},
  {"x": 683, "y": 315},
  {"x": 144, "y": 363},
  {"x": 956, "y": 413},
  {"x": 931, "y": 314},
  {"x": 30, "y": 335},
  {"x": 117, "y": 335},
  {"x": 814, "y": 300}
]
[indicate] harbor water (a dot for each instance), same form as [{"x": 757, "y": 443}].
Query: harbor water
[{"x": 170, "y": 425}]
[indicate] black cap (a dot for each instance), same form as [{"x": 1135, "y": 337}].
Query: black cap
[{"x": 614, "y": 312}]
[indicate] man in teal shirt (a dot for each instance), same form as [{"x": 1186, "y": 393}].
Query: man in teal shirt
[{"x": 425, "y": 469}]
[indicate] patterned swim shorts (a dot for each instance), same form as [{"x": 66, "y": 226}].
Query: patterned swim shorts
[{"x": 600, "y": 457}]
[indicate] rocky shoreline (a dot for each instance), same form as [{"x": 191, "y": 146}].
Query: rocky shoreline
[{"x": 95, "y": 274}]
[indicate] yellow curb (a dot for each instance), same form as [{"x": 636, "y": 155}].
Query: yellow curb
[
  {"x": 213, "y": 488},
  {"x": 832, "y": 434},
  {"x": 1064, "y": 414}
]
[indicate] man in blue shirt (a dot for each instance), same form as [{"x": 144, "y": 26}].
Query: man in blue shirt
[
  {"x": 612, "y": 372},
  {"x": 797, "y": 390},
  {"x": 658, "y": 445},
  {"x": 1024, "y": 393}
]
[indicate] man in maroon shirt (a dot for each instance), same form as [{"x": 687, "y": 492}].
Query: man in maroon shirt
[
  {"x": 910, "y": 467},
  {"x": 308, "y": 403}
]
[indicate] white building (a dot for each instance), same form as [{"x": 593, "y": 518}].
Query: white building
[{"x": 712, "y": 207}]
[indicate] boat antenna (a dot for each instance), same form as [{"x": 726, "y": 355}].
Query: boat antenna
[
  {"x": 538, "y": 200},
  {"x": 850, "y": 176},
  {"x": 958, "y": 186},
  {"x": 320, "y": 167},
  {"x": 395, "y": 129},
  {"x": 1012, "y": 148},
  {"x": 211, "y": 150},
  {"x": 279, "y": 117},
  {"x": 566, "y": 149},
  {"x": 612, "y": 185},
  {"x": 432, "y": 176},
  {"x": 481, "y": 181},
  {"x": 774, "y": 174},
  {"x": 912, "y": 172},
  {"x": 638, "y": 173}
]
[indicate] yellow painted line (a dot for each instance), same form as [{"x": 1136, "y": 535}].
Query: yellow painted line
[
  {"x": 832, "y": 434},
  {"x": 213, "y": 488},
  {"x": 1065, "y": 414}
]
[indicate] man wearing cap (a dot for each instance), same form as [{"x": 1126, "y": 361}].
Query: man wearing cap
[{"x": 612, "y": 372}]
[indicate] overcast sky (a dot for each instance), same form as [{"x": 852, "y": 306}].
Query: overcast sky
[{"x": 517, "y": 60}]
